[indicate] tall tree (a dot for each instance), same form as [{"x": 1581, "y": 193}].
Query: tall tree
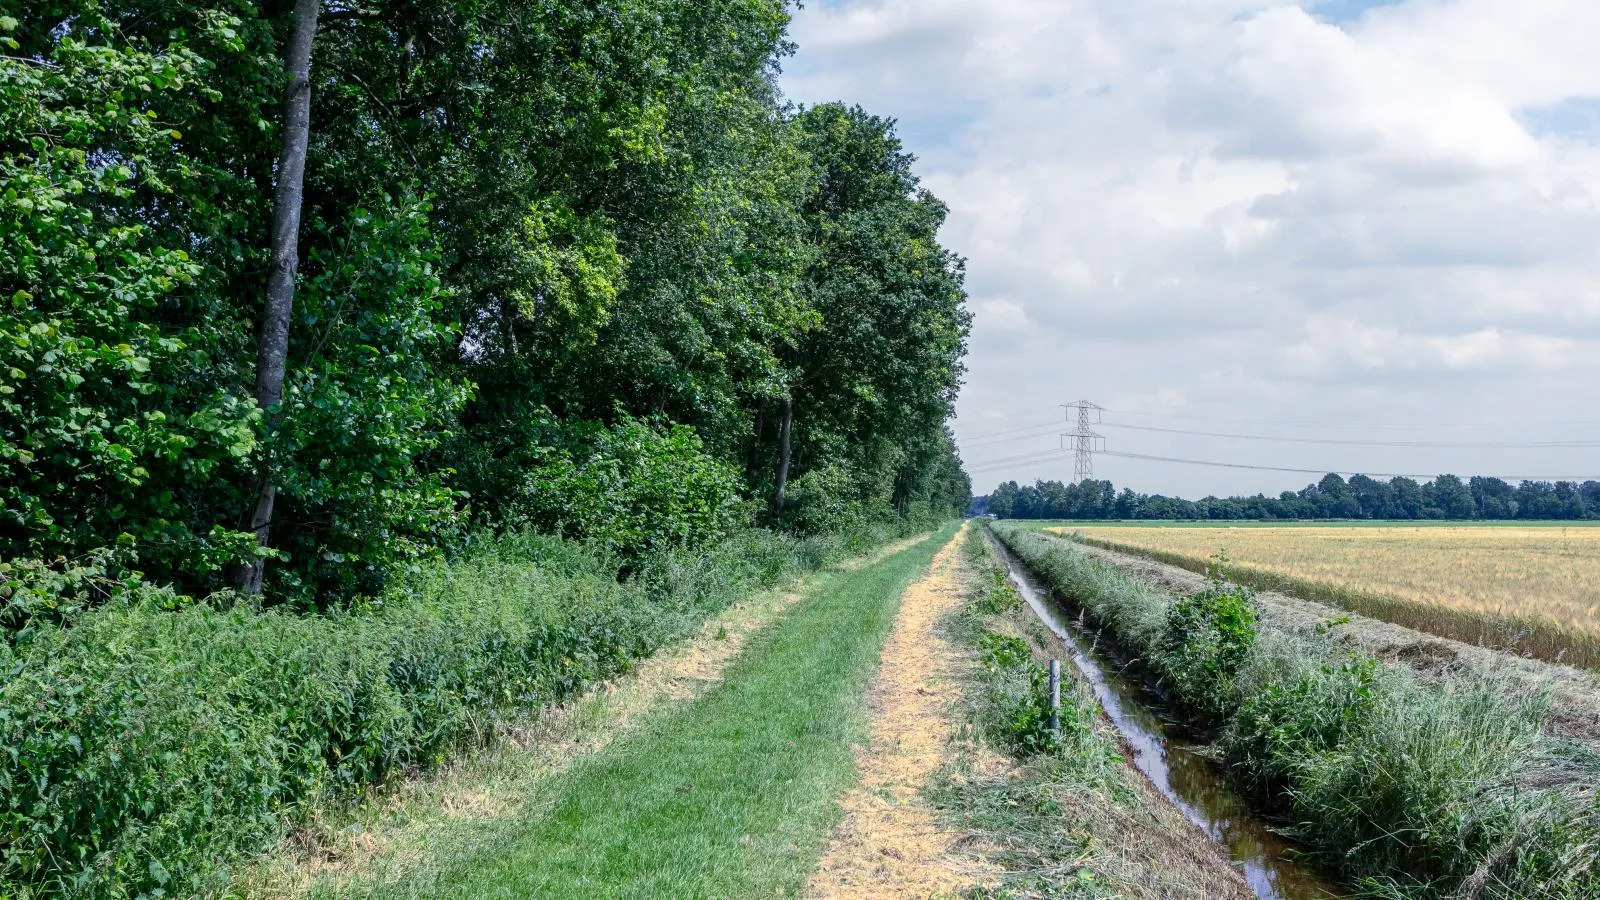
[{"x": 289, "y": 196}]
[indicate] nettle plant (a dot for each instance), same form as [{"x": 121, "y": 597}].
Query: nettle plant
[
  {"x": 1018, "y": 697},
  {"x": 1206, "y": 640}
]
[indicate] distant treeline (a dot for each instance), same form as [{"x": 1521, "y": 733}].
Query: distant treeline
[{"x": 1361, "y": 497}]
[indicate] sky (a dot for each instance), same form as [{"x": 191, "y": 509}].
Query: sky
[{"x": 1337, "y": 221}]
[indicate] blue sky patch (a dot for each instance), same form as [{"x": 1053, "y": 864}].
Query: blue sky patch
[{"x": 1575, "y": 118}]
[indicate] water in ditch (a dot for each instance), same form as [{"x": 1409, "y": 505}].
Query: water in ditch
[{"x": 1174, "y": 764}]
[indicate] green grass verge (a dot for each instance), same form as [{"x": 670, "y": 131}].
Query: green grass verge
[
  {"x": 1030, "y": 822},
  {"x": 156, "y": 742},
  {"x": 1409, "y": 789},
  {"x": 734, "y": 797}
]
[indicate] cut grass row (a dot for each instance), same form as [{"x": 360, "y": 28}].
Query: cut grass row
[
  {"x": 1529, "y": 635},
  {"x": 158, "y": 742},
  {"x": 1065, "y": 818},
  {"x": 735, "y": 795},
  {"x": 1406, "y": 789}
]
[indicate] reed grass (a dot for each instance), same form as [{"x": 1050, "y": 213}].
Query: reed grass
[
  {"x": 1536, "y": 636},
  {"x": 1452, "y": 788}
]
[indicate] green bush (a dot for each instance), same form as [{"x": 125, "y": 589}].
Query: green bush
[
  {"x": 635, "y": 487},
  {"x": 156, "y": 739},
  {"x": 1408, "y": 789},
  {"x": 1208, "y": 637},
  {"x": 1297, "y": 716}
]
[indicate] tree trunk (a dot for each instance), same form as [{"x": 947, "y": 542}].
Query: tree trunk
[
  {"x": 272, "y": 355},
  {"x": 783, "y": 450},
  {"x": 752, "y": 458}
]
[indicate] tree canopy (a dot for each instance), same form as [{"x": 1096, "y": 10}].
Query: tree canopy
[{"x": 550, "y": 255}]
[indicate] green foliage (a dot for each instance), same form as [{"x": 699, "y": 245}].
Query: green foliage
[
  {"x": 109, "y": 429},
  {"x": 155, "y": 740},
  {"x": 637, "y": 488},
  {"x": 1410, "y": 789},
  {"x": 637, "y": 227},
  {"x": 874, "y": 381},
  {"x": 1207, "y": 639},
  {"x": 1017, "y": 698},
  {"x": 361, "y": 408},
  {"x": 1444, "y": 497},
  {"x": 1299, "y": 717}
]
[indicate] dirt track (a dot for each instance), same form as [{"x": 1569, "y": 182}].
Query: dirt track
[{"x": 890, "y": 843}]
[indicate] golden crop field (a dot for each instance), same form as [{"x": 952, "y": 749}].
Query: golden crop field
[{"x": 1548, "y": 572}]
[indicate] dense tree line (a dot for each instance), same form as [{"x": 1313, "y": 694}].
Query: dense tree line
[
  {"x": 1333, "y": 497},
  {"x": 575, "y": 266}
]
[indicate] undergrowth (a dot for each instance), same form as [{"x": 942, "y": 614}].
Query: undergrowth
[
  {"x": 1408, "y": 789},
  {"x": 157, "y": 740},
  {"x": 1020, "y": 816}
]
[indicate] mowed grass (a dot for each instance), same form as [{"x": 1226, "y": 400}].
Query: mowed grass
[
  {"x": 734, "y": 797},
  {"x": 1534, "y": 588}
]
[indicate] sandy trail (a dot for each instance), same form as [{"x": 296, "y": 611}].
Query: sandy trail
[{"x": 890, "y": 843}]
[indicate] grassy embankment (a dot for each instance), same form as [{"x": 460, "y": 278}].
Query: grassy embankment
[
  {"x": 733, "y": 796},
  {"x": 1065, "y": 817},
  {"x": 157, "y": 742},
  {"x": 1407, "y": 789},
  {"x": 1528, "y": 590}
]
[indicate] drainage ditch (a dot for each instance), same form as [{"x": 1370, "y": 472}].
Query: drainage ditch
[{"x": 1174, "y": 762}]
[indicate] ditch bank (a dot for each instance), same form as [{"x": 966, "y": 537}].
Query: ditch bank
[
  {"x": 1574, "y": 694},
  {"x": 1399, "y": 788},
  {"x": 1161, "y": 749}
]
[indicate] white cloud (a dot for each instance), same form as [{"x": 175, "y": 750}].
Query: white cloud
[
  {"x": 1001, "y": 314},
  {"x": 1240, "y": 209}
]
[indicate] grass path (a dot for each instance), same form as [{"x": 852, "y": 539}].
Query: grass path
[
  {"x": 733, "y": 796},
  {"x": 891, "y": 843}
]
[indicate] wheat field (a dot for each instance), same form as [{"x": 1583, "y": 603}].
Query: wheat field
[{"x": 1549, "y": 572}]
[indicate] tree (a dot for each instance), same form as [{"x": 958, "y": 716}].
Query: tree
[
  {"x": 1375, "y": 499},
  {"x": 876, "y": 375},
  {"x": 273, "y": 356}
]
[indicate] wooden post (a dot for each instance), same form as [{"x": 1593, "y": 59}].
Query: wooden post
[{"x": 1055, "y": 699}]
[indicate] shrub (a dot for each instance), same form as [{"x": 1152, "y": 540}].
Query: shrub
[
  {"x": 1207, "y": 638},
  {"x": 1314, "y": 707},
  {"x": 156, "y": 739},
  {"x": 635, "y": 487},
  {"x": 1410, "y": 789}
]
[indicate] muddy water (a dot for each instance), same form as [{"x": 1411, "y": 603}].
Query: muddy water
[{"x": 1174, "y": 764}]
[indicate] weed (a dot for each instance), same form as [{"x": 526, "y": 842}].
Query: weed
[
  {"x": 1409, "y": 789},
  {"x": 1207, "y": 639},
  {"x": 1017, "y": 697}
]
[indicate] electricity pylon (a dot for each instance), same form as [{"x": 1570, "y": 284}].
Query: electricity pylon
[{"x": 1085, "y": 440}]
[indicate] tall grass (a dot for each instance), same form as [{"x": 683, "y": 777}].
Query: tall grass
[
  {"x": 1408, "y": 789},
  {"x": 156, "y": 740},
  {"x": 1539, "y": 637}
]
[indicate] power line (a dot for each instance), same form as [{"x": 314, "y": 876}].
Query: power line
[
  {"x": 1356, "y": 443},
  {"x": 996, "y": 465},
  {"x": 1349, "y": 424},
  {"x": 1053, "y": 423},
  {"x": 1036, "y": 431}
]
